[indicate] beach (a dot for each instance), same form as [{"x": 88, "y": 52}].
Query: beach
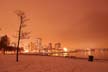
[{"x": 33, "y": 63}]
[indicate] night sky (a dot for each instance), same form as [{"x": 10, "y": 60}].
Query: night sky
[{"x": 74, "y": 23}]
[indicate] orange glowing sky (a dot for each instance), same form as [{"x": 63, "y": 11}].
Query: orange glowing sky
[{"x": 74, "y": 23}]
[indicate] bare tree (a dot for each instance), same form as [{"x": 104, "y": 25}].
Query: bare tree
[{"x": 21, "y": 34}]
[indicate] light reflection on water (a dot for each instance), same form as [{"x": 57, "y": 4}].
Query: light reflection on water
[{"x": 98, "y": 54}]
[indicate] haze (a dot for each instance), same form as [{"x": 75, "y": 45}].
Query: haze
[{"x": 74, "y": 23}]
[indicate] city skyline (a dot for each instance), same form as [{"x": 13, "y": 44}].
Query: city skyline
[{"x": 75, "y": 24}]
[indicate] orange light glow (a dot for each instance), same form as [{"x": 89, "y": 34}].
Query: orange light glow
[
  {"x": 65, "y": 49},
  {"x": 74, "y": 23}
]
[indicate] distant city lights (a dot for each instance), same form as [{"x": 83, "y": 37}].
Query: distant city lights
[
  {"x": 26, "y": 51},
  {"x": 65, "y": 49}
]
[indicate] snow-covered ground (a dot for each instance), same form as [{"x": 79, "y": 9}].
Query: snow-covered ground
[{"x": 32, "y": 63}]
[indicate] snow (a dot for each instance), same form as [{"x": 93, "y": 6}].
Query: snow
[{"x": 33, "y": 63}]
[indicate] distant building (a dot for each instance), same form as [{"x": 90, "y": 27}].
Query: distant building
[
  {"x": 50, "y": 46},
  {"x": 38, "y": 44},
  {"x": 57, "y": 45},
  {"x": 31, "y": 47}
]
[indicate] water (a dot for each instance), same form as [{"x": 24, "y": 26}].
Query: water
[{"x": 98, "y": 54}]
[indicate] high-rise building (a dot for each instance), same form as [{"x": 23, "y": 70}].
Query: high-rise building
[
  {"x": 31, "y": 46},
  {"x": 50, "y": 46},
  {"x": 57, "y": 45},
  {"x": 39, "y": 44}
]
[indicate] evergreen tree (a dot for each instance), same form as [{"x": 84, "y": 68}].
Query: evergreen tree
[{"x": 4, "y": 43}]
